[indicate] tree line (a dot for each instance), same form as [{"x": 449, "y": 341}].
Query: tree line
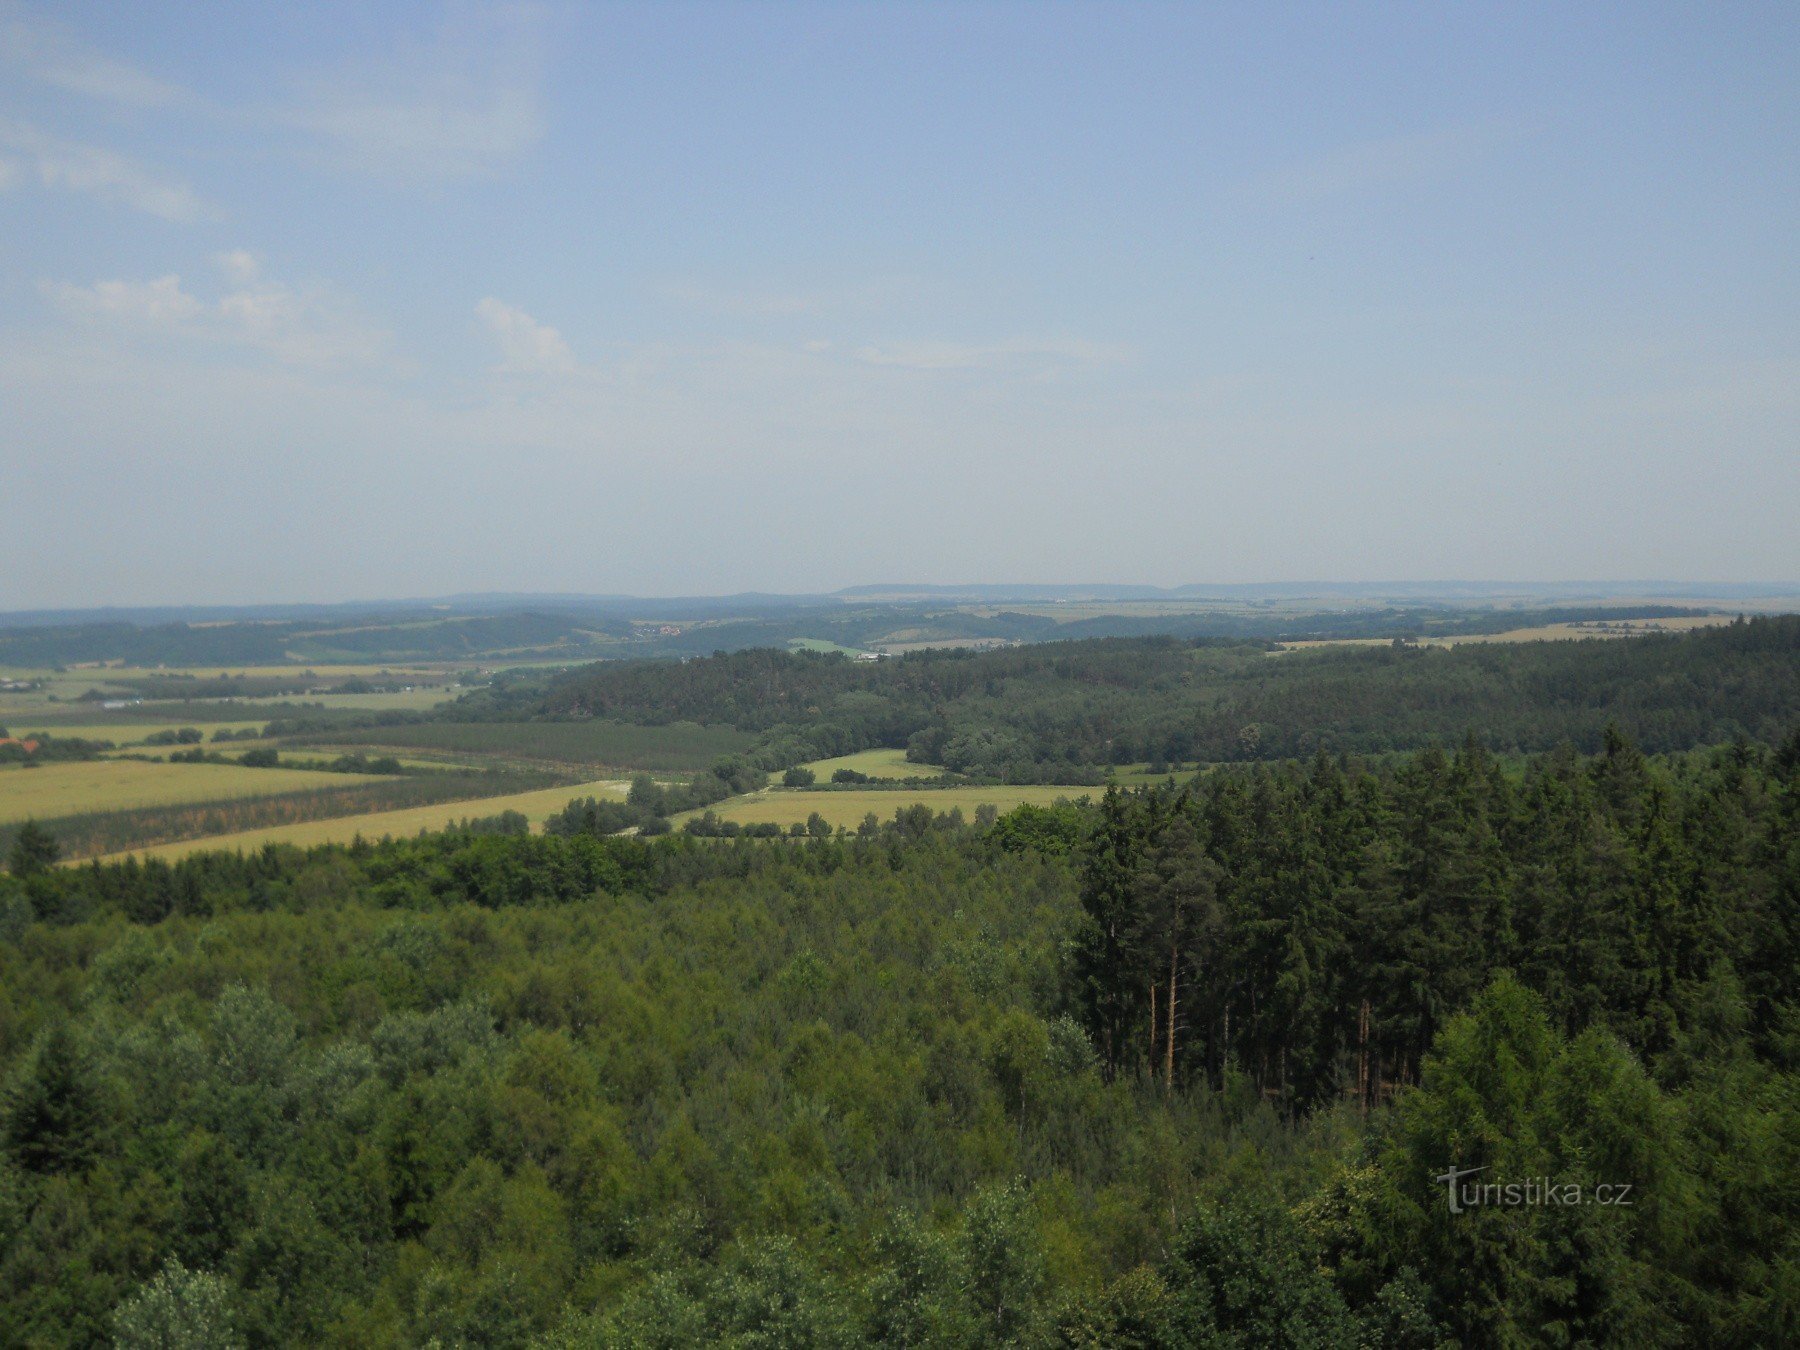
[{"x": 1052, "y": 712}]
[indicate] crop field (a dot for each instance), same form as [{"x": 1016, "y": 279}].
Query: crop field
[
  {"x": 59, "y": 699},
  {"x": 623, "y": 745},
  {"x": 875, "y": 763},
  {"x": 120, "y": 785},
  {"x": 821, "y": 645},
  {"x": 537, "y": 805},
  {"x": 1550, "y": 632},
  {"x": 90, "y": 834},
  {"x": 406, "y": 700},
  {"x": 788, "y": 807}
]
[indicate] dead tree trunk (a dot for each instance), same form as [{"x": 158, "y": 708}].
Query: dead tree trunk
[
  {"x": 1362, "y": 1056},
  {"x": 1153, "y": 1031},
  {"x": 1169, "y": 1050}
]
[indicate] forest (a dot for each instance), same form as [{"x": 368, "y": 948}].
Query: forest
[
  {"x": 1028, "y": 714},
  {"x": 1182, "y": 1066}
]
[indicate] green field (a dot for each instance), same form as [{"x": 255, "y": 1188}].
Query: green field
[
  {"x": 538, "y": 806},
  {"x": 1139, "y": 775},
  {"x": 875, "y": 763},
  {"x": 623, "y": 745},
  {"x": 791, "y": 806},
  {"x": 120, "y": 785}
]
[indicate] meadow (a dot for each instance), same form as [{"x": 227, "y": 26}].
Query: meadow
[
  {"x": 51, "y": 790},
  {"x": 875, "y": 763},
  {"x": 791, "y": 806},
  {"x": 1139, "y": 775}
]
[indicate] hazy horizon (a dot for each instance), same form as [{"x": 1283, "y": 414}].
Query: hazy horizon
[
  {"x": 316, "y": 304},
  {"x": 1467, "y": 592}
]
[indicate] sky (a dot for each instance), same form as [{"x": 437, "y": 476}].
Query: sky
[{"x": 348, "y": 301}]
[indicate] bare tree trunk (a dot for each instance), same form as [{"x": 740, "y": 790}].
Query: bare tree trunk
[
  {"x": 1169, "y": 1050},
  {"x": 1153, "y": 1031},
  {"x": 1362, "y": 1056}
]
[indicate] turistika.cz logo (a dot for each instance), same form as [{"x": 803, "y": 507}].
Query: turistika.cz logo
[{"x": 1532, "y": 1191}]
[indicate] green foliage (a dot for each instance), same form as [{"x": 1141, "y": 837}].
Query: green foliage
[
  {"x": 180, "y": 1309},
  {"x": 1051, "y": 711},
  {"x": 1242, "y": 1275},
  {"x": 904, "y": 1087},
  {"x": 54, "y": 1113},
  {"x": 1055, "y": 830},
  {"x": 34, "y": 849}
]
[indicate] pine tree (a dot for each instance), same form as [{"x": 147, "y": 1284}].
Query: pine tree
[
  {"x": 34, "y": 850},
  {"x": 53, "y": 1112}
]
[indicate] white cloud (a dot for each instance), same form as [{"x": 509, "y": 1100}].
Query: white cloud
[
  {"x": 311, "y": 327},
  {"x": 454, "y": 108},
  {"x": 157, "y": 304},
  {"x": 51, "y": 54},
  {"x": 99, "y": 172},
  {"x": 9, "y": 174},
  {"x": 527, "y": 347},
  {"x": 240, "y": 266}
]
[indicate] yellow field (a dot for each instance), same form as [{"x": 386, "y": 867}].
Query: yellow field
[
  {"x": 875, "y": 763},
  {"x": 122, "y": 785},
  {"x": 848, "y": 808},
  {"x": 538, "y": 806},
  {"x": 1550, "y": 632}
]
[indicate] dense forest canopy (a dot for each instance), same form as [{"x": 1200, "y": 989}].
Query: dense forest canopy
[
  {"x": 1171, "y": 1068},
  {"x": 1020, "y": 713}
]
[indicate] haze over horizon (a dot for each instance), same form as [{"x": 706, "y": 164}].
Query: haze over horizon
[
  {"x": 1756, "y": 596},
  {"x": 348, "y": 301}
]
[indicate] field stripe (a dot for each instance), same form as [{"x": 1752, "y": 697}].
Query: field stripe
[{"x": 538, "y": 806}]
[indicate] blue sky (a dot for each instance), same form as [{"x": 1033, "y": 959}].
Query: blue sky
[{"x": 343, "y": 301}]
